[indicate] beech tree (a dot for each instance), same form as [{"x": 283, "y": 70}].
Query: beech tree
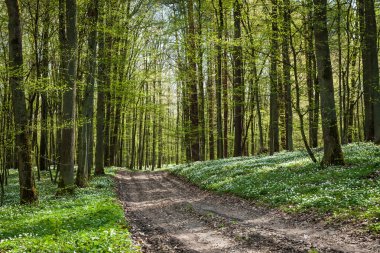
[
  {"x": 100, "y": 104},
  {"x": 238, "y": 82},
  {"x": 86, "y": 142},
  {"x": 67, "y": 145},
  {"x": 371, "y": 88},
  {"x": 192, "y": 85},
  {"x": 274, "y": 143},
  {"x": 332, "y": 149},
  {"x": 28, "y": 192}
]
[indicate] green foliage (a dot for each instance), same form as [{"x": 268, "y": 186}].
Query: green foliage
[
  {"x": 90, "y": 221},
  {"x": 289, "y": 181}
]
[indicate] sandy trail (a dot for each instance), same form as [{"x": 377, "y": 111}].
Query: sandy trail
[{"x": 167, "y": 214}]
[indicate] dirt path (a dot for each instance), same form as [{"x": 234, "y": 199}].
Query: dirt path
[{"x": 169, "y": 215}]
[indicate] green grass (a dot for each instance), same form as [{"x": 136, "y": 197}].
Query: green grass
[
  {"x": 291, "y": 182},
  {"x": 90, "y": 221}
]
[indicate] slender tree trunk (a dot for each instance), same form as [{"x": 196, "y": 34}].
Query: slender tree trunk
[
  {"x": 160, "y": 120},
  {"x": 210, "y": 98},
  {"x": 24, "y": 163},
  {"x": 225, "y": 98},
  {"x": 100, "y": 104},
  {"x": 147, "y": 121},
  {"x": 35, "y": 97},
  {"x": 154, "y": 126},
  {"x": 177, "y": 128},
  {"x": 107, "y": 94},
  {"x": 352, "y": 102},
  {"x": 219, "y": 126},
  {"x": 192, "y": 84},
  {"x": 286, "y": 77},
  {"x": 311, "y": 80},
  {"x": 340, "y": 77},
  {"x": 142, "y": 126},
  {"x": 66, "y": 181},
  {"x": 332, "y": 150},
  {"x": 62, "y": 77},
  {"x": 115, "y": 131},
  {"x": 133, "y": 141},
  {"x": 274, "y": 145},
  {"x": 202, "y": 121},
  {"x": 43, "y": 158},
  {"x": 298, "y": 104},
  {"x": 238, "y": 87},
  {"x": 86, "y": 139},
  {"x": 371, "y": 87},
  {"x": 258, "y": 104}
]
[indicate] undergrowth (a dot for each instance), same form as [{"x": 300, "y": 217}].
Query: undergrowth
[
  {"x": 90, "y": 221},
  {"x": 291, "y": 182}
]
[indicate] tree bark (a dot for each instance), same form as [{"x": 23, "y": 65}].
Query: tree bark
[
  {"x": 202, "y": 121},
  {"x": 86, "y": 136},
  {"x": 311, "y": 80},
  {"x": 154, "y": 126},
  {"x": 225, "y": 96},
  {"x": 238, "y": 83},
  {"x": 67, "y": 147},
  {"x": 210, "y": 99},
  {"x": 192, "y": 84},
  {"x": 370, "y": 70},
  {"x": 100, "y": 104},
  {"x": 286, "y": 77},
  {"x": 43, "y": 158},
  {"x": 109, "y": 107},
  {"x": 274, "y": 145},
  {"x": 219, "y": 127},
  {"x": 28, "y": 193},
  {"x": 332, "y": 149}
]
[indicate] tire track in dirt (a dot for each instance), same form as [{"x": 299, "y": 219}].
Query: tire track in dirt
[{"x": 167, "y": 214}]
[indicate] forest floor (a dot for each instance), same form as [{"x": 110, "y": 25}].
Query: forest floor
[
  {"x": 167, "y": 214},
  {"x": 91, "y": 220}
]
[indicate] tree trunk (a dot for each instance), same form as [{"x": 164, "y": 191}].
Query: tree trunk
[
  {"x": 370, "y": 70},
  {"x": 274, "y": 145},
  {"x": 154, "y": 126},
  {"x": 66, "y": 181},
  {"x": 192, "y": 85},
  {"x": 311, "y": 80},
  {"x": 115, "y": 131},
  {"x": 298, "y": 104},
  {"x": 86, "y": 138},
  {"x": 107, "y": 94},
  {"x": 43, "y": 158},
  {"x": 202, "y": 122},
  {"x": 24, "y": 163},
  {"x": 225, "y": 97},
  {"x": 340, "y": 77},
  {"x": 133, "y": 141},
  {"x": 238, "y": 84},
  {"x": 100, "y": 104},
  {"x": 219, "y": 127},
  {"x": 332, "y": 150},
  {"x": 210, "y": 98},
  {"x": 286, "y": 77},
  {"x": 258, "y": 106},
  {"x": 160, "y": 123}
]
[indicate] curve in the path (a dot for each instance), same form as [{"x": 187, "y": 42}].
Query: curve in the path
[{"x": 167, "y": 214}]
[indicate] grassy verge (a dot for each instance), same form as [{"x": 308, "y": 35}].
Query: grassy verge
[
  {"x": 90, "y": 221},
  {"x": 291, "y": 182}
]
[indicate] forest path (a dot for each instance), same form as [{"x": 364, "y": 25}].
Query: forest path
[{"x": 167, "y": 214}]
